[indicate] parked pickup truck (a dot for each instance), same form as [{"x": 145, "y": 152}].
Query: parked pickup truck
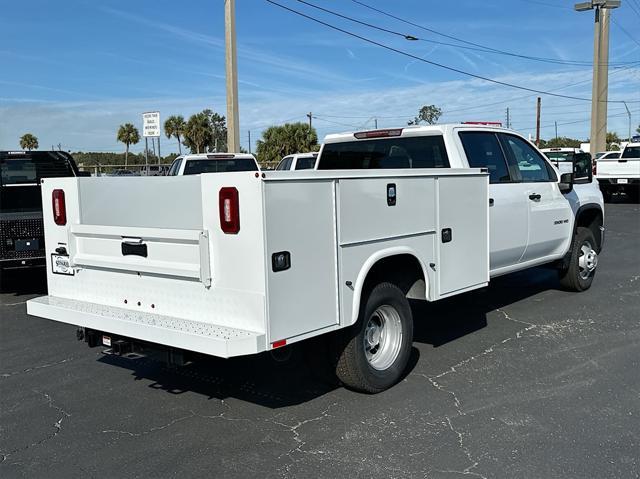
[
  {"x": 212, "y": 163},
  {"x": 21, "y": 227},
  {"x": 232, "y": 264},
  {"x": 299, "y": 161},
  {"x": 620, "y": 174}
]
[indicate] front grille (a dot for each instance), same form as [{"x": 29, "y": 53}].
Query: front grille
[{"x": 12, "y": 230}]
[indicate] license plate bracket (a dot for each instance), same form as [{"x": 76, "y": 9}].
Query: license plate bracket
[{"x": 60, "y": 264}]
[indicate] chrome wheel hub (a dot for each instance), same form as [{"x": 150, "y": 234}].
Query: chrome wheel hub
[
  {"x": 383, "y": 337},
  {"x": 587, "y": 260}
]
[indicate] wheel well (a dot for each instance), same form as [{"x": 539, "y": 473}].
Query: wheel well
[
  {"x": 592, "y": 218},
  {"x": 403, "y": 270}
]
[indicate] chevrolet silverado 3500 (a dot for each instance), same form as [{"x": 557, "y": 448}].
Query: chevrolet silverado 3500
[{"x": 233, "y": 264}]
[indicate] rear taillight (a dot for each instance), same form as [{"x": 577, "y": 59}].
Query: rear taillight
[
  {"x": 595, "y": 167},
  {"x": 229, "y": 210},
  {"x": 59, "y": 207}
]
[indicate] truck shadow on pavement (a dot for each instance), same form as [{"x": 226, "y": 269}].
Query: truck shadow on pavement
[{"x": 304, "y": 375}]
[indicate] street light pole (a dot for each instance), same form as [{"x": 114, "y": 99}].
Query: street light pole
[
  {"x": 600, "y": 89},
  {"x": 233, "y": 120},
  {"x": 629, "y": 115}
]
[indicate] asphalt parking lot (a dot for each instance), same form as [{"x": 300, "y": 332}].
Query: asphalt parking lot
[{"x": 517, "y": 380}]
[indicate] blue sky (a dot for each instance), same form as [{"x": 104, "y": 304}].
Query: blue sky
[{"x": 73, "y": 71}]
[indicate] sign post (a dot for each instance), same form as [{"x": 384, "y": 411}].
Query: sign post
[{"x": 151, "y": 128}]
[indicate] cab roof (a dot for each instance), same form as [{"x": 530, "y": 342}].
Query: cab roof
[{"x": 411, "y": 130}]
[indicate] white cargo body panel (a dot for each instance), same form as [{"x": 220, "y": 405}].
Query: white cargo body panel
[{"x": 158, "y": 267}]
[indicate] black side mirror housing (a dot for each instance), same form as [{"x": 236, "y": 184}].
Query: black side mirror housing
[
  {"x": 582, "y": 168},
  {"x": 566, "y": 183}
]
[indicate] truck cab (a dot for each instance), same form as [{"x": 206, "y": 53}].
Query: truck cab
[
  {"x": 21, "y": 227},
  {"x": 212, "y": 163}
]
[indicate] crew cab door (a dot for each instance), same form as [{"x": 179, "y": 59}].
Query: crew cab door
[
  {"x": 508, "y": 207},
  {"x": 549, "y": 213}
]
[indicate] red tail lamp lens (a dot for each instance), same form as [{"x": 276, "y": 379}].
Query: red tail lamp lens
[
  {"x": 59, "y": 207},
  {"x": 229, "y": 210}
]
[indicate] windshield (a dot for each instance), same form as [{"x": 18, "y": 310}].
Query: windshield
[
  {"x": 31, "y": 168},
  {"x": 396, "y": 152},
  {"x": 631, "y": 152},
  {"x": 560, "y": 155},
  {"x": 194, "y": 167}
]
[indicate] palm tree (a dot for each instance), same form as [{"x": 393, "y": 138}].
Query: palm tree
[
  {"x": 128, "y": 134},
  {"x": 279, "y": 141},
  {"x": 29, "y": 142},
  {"x": 175, "y": 126},
  {"x": 198, "y": 133}
]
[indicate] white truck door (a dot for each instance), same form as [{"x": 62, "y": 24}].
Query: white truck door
[
  {"x": 549, "y": 212},
  {"x": 508, "y": 208}
]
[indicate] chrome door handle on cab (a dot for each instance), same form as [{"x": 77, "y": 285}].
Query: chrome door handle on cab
[{"x": 535, "y": 197}]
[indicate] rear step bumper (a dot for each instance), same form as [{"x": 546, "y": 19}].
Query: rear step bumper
[{"x": 180, "y": 333}]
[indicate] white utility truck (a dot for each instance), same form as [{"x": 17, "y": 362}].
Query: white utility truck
[
  {"x": 620, "y": 174},
  {"x": 231, "y": 264}
]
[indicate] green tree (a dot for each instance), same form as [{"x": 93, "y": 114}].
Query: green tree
[
  {"x": 29, "y": 142},
  {"x": 206, "y": 131},
  {"x": 174, "y": 126},
  {"x": 613, "y": 141},
  {"x": 129, "y": 135},
  {"x": 198, "y": 133},
  {"x": 428, "y": 114},
  {"x": 279, "y": 141},
  {"x": 560, "y": 142}
]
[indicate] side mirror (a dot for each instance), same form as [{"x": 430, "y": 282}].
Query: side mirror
[
  {"x": 582, "y": 168},
  {"x": 566, "y": 183}
]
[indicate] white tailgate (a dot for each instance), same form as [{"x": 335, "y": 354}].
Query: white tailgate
[{"x": 622, "y": 168}]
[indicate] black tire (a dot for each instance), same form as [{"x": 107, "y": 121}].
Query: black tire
[
  {"x": 358, "y": 366},
  {"x": 576, "y": 277}
]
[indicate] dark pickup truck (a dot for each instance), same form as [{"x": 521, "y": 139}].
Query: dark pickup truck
[{"x": 21, "y": 227}]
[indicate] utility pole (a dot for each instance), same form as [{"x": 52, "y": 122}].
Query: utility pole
[
  {"x": 159, "y": 156},
  {"x": 310, "y": 116},
  {"x": 556, "y": 123},
  {"x": 508, "y": 119},
  {"x": 375, "y": 122},
  {"x": 146, "y": 154},
  {"x": 249, "y": 132},
  {"x": 233, "y": 115},
  {"x": 539, "y": 104},
  {"x": 629, "y": 115},
  {"x": 600, "y": 90}
]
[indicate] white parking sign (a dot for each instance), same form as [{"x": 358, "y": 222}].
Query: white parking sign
[{"x": 151, "y": 123}]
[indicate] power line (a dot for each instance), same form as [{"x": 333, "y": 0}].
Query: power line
[
  {"x": 440, "y": 65},
  {"x": 625, "y": 31},
  {"x": 478, "y": 47}
]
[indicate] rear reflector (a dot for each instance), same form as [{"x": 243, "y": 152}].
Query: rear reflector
[
  {"x": 59, "y": 207},
  {"x": 279, "y": 344},
  {"x": 229, "y": 210},
  {"x": 378, "y": 133}
]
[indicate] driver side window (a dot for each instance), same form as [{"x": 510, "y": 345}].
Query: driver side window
[{"x": 531, "y": 165}]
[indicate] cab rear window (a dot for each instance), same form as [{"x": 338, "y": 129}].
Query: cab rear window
[
  {"x": 385, "y": 153},
  {"x": 194, "y": 167},
  {"x": 31, "y": 168}
]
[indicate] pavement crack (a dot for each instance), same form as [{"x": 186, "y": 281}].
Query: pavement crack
[
  {"x": 35, "y": 368},
  {"x": 153, "y": 429},
  {"x": 57, "y": 428},
  {"x": 456, "y": 400}
]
